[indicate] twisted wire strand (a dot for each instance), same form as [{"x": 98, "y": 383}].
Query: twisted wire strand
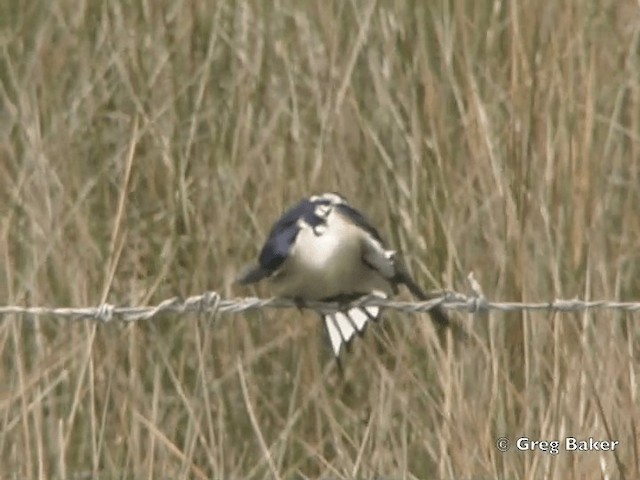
[{"x": 212, "y": 303}]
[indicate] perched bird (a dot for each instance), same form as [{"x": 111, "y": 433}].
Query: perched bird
[{"x": 322, "y": 249}]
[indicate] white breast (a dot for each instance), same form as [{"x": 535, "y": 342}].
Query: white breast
[{"x": 327, "y": 264}]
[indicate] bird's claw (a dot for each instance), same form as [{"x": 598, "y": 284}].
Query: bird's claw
[{"x": 300, "y": 304}]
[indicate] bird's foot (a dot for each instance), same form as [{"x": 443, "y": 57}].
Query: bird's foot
[{"x": 300, "y": 303}]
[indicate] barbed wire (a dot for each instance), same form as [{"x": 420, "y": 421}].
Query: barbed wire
[{"x": 212, "y": 303}]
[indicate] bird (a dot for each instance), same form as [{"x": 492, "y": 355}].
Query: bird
[{"x": 323, "y": 249}]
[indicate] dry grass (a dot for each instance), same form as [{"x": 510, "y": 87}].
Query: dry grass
[{"x": 145, "y": 149}]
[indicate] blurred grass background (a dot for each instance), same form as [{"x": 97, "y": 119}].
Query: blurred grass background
[{"x": 146, "y": 147}]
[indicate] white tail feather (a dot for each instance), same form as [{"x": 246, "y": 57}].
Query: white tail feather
[
  {"x": 334, "y": 334},
  {"x": 342, "y": 326}
]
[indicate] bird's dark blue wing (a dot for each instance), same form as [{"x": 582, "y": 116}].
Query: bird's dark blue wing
[
  {"x": 358, "y": 219},
  {"x": 283, "y": 234}
]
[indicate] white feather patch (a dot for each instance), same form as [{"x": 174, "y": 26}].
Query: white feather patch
[
  {"x": 345, "y": 325},
  {"x": 373, "y": 312},
  {"x": 342, "y": 326},
  {"x": 358, "y": 317},
  {"x": 334, "y": 334},
  {"x": 341, "y": 329}
]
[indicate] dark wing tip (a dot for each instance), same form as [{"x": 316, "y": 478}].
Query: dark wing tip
[
  {"x": 357, "y": 218},
  {"x": 251, "y": 274}
]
